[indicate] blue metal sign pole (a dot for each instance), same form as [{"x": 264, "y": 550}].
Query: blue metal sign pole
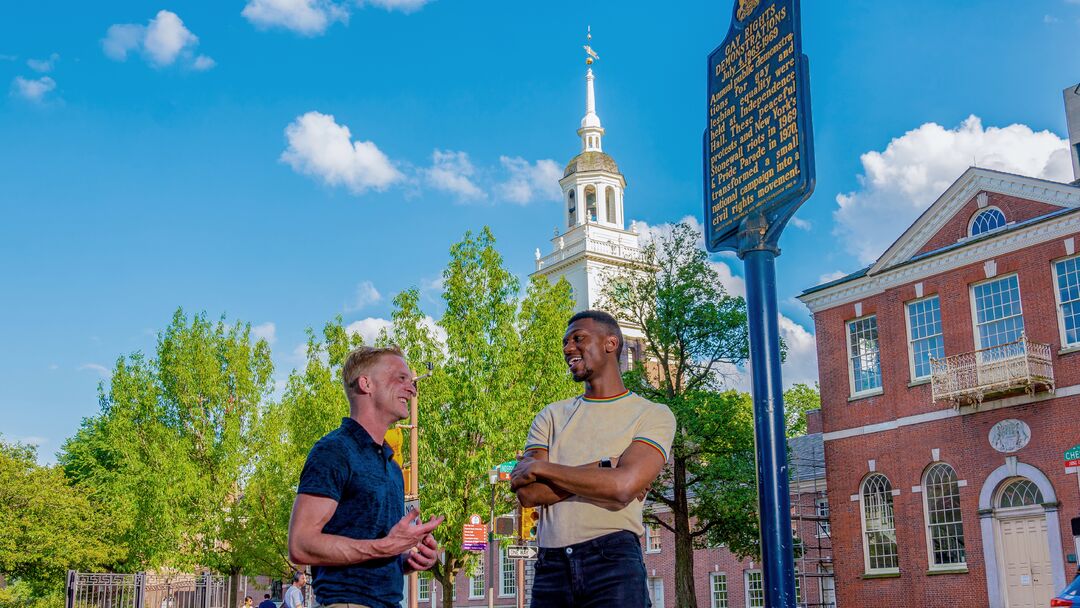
[
  {"x": 758, "y": 161},
  {"x": 774, "y": 502}
]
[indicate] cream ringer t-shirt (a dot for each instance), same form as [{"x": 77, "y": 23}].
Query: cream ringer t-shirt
[{"x": 578, "y": 431}]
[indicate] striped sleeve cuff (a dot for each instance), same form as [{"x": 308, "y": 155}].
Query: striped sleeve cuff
[
  {"x": 652, "y": 444},
  {"x": 535, "y": 446}
]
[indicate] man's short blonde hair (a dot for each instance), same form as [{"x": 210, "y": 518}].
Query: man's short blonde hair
[{"x": 360, "y": 362}]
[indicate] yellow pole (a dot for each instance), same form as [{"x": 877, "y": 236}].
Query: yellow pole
[{"x": 414, "y": 483}]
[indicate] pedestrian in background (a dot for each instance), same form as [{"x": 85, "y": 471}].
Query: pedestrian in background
[
  {"x": 267, "y": 602},
  {"x": 294, "y": 595}
]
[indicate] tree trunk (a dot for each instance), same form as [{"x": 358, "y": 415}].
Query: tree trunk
[
  {"x": 685, "y": 593},
  {"x": 445, "y": 575}
]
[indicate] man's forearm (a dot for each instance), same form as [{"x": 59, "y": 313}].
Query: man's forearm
[
  {"x": 540, "y": 493},
  {"x": 332, "y": 550},
  {"x": 593, "y": 482}
]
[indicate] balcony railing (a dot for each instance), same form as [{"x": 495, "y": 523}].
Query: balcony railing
[{"x": 969, "y": 378}]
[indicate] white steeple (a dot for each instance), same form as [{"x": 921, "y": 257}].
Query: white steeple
[
  {"x": 592, "y": 241},
  {"x": 590, "y": 130}
]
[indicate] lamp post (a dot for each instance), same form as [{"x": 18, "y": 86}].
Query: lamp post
[
  {"x": 414, "y": 472},
  {"x": 493, "y": 477}
]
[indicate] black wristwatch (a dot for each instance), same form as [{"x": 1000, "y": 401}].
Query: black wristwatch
[{"x": 605, "y": 463}]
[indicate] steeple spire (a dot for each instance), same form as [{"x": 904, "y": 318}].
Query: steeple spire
[{"x": 590, "y": 131}]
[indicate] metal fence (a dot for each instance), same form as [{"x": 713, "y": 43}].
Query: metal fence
[{"x": 144, "y": 590}]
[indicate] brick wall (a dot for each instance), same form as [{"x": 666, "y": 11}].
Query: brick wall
[{"x": 902, "y": 454}]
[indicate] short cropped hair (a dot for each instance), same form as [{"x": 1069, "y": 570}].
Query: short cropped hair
[
  {"x": 296, "y": 576},
  {"x": 360, "y": 363},
  {"x": 266, "y": 596},
  {"x": 607, "y": 321}
]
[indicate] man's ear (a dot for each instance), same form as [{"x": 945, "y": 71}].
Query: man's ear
[
  {"x": 363, "y": 384},
  {"x": 611, "y": 344}
]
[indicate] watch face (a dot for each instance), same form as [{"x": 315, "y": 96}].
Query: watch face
[{"x": 605, "y": 463}]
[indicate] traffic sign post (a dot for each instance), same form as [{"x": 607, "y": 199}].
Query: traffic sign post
[
  {"x": 522, "y": 552},
  {"x": 758, "y": 161}
]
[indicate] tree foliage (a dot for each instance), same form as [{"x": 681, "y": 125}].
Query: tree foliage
[
  {"x": 165, "y": 457},
  {"x": 46, "y": 526}
]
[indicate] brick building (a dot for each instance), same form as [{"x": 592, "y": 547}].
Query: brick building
[{"x": 950, "y": 388}]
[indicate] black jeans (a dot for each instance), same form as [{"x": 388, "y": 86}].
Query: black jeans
[{"x": 604, "y": 572}]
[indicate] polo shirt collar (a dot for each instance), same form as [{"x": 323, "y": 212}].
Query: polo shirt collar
[{"x": 362, "y": 437}]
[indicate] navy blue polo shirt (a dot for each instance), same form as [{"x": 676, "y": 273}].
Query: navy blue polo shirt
[{"x": 358, "y": 472}]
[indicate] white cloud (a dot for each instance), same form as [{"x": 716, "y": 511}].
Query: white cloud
[
  {"x": 32, "y": 89},
  {"x": 1050, "y": 19},
  {"x": 800, "y": 365},
  {"x": 530, "y": 182},
  {"x": 162, "y": 41},
  {"x": 369, "y": 328},
  {"x": 733, "y": 284},
  {"x": 306, "y": 17},
  {"x": 832, "y": 276},
  {"x": 366, "y": 295},
  {"x": 265, "y": 331},
  {"x": 203, "y": 63},
  {"x": 103, "y": 371},
  {"x": 319, "y": 147},
  {"x": 914, "y": 169},
  {"x": 405, "y": 6},
  {"x": 801, "y": 224},
  {"x": 453, "y": 172},
  {"x": 43, "y": 65},
  {"x": 649, "y": 232}
]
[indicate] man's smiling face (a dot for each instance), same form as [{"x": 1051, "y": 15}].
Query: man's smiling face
[{"x": 585, "y": 348}]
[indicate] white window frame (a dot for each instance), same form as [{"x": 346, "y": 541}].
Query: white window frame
[
  {"x": 479, "y": 575},
  {"x": 926, "y": 521},
  {"x": 654, "y": 584},
  {"x": 652, "y": 533},
  {"x": 423, "y": 587},
  {"x": 975, "y": 306},
  {"x": 1065, "y": 344},
  {"x": 826, "y": 573},
  {"x": 713, "y": 578},
  {"x": 862, "y": 520},
  {"x": 824, "y": 527},
  {"x": 974, "y": 216},
  {"x": 877, "y": 390},
  {"x": 503, "y": 560},
  {"x": 911, "y": 341},
  {"x": 746, "y": 587}
]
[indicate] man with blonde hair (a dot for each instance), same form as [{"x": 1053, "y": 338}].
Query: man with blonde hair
[{"x": 348, "y": 520}]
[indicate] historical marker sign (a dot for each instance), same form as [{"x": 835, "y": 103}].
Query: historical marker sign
[{"x": 758, "y": 155}]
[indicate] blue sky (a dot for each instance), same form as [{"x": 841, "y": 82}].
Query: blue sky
[{"x": 147, "y": 160}]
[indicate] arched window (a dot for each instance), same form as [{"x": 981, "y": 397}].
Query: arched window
[
  {"x": 590, "y": 203},
  {"x": 944, "y": 528},
  {"x": 879, "y": 530},
  {"x": 1020, "y": 493},
  {"x": 610, "y": 200},
  {"x": 571, "y": 209},
  {"x": 986, "y": 220}
]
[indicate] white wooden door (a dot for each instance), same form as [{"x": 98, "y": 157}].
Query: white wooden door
[
  {"x": 1025, "y": 556},
  {"x": 656, "y": 591}
]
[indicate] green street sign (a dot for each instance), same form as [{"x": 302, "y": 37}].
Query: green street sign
[
  {"x": 1073, "y": 453},
  {"x": 508, "y": 466}
]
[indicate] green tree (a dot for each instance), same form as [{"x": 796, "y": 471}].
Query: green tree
[
  {"x": 47, "y": 526},
  {"x": 798, "y": 400},
  {"x": 166, "y": 456},
  {"x": 693, "y": 332},
  {"x": 499, "y": 364}
]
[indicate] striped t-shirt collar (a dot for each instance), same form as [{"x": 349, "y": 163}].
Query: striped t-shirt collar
[{"x": 621, "y": 395}]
